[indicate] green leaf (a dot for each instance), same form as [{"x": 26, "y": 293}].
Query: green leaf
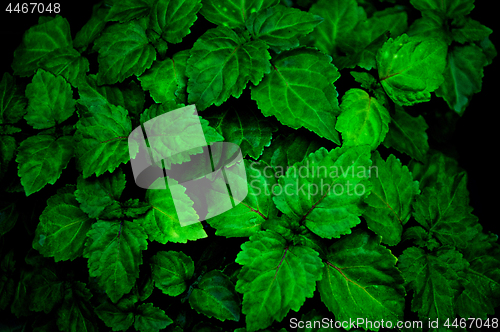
[
  {"x": 215, "y": 297},
  {"x": 300, "y": 92},
  {"x": 171, "y": 19},
  {"x": 96, "y": 196},
  {"x": 124, "y": 11},
  {"x": 221, "y": 63},
  {"x": 50, "y": 100},
  {"x": 407, "y": 134},
  {"x": 76, "y": 312},
  {"x": 9, "y": 215},
  {"x": 114, "y": 254},
  {"x": 340, "y": 19},
  {"x": 244, "y": 127},
  {"x": 360, "y": 280},
  {"x": 245, "y": 219},
  {"x": 482, "y": 289},
  {"x": 463, "y": 76},
  {"x": 432, "y": 277},
  {"x": 46, "y": 290},
  {"x": 430, "y": 27},
  {"x": 41, "y": 159},
  {"x": 101, "y": 139},
  {"x": 280, "y": 26},
  {"x": 444, "y": 8},
  {"x": 445, "y": 213},
  {"x": 62, "y": 229},
  {"x": 162, "y": 222},
  {"x": 488, "y": 49},
  {"x": 436, "y": 168},
  {"x": 328, "y": 197},
  {"x": 468, "y": 30},
  {"x": 12, "y": 101},
  {"x": 133, "y": 208},
  {"x": 67, "y": 63},
  {"x": 363, "y": 119},
  {"x": 389, "y": 202},
  {"x": 400, "y": 64},
  {"x": 113, "y": 317},
  {"x": 38, "y": 42},
  {"x": 420, "y": 237},
  {"x": 124, "y": 50},
  {"x": 171, "y": 271},
  {"x": 92, "y": 29},
  {"x": 150, "y": 319},
  {"x": 233, "y": 13},
  {"x": 270, "y": 277}
]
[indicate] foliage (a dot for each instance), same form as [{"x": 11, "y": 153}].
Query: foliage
[{"x": 351, "y": 212}]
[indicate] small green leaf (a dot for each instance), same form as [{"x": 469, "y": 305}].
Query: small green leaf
[
  {"x": 389, "y": 202},
  {"x": 400, "y": 64},
  {"x": 126, "y": 10},
  {"x": 50, "y": 100},
  {"x": 150, "y": 319},
  {"x": 38, "y": 42},
  {"x": 124, "y": 50},
  {"x": 12, "y": 101},
  {"x": 360, "y": 280},
  {"x": 221, "y": 64},
  {"x": 233, "y": 13},
  {"x": 76, "y": 312},
  {"x": 101, "y": 139},
  {"x": 114, "y": 252},
  {"x": 215, "y": 297},
  {"x": 430, "y": 27},
  {"x": 67, "y": 63},
  {"x": 463, "y": 76},
  {"x": 62, "y": 229},
  {"x": 41, "y": 159},
  {"x": 444, "y": 8},
  {"x": 299, "y": 91},
  {"x": 363, "y": 119},
  {"x": 469, "y": 30},
  {"x": 113, "y": 317},
  {"x": 407, "y": 134},
  {"x": 92, "y": 29},
  {"x": 171, "y": 271},
  {"x": 161, "y": 80},
  {"x": 280, "y": 26},
  {"x": 46, "y": 290}
]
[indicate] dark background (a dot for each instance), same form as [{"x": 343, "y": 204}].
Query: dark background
[{"x": 472, "y": 143}]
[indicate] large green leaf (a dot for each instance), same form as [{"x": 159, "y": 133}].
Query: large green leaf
[
  {"x": 328, "y": 197},
  {"x": 434, "y": 280},
  {"x": 463, "y": 76},
  {"x": 275, "y": 278},
  {"x": 126, "y": 10},
  {"x": 444, "y": 8},
  {"x": 407, "y": 134},
  {"x": 221, "y": 63},
  {"x": 360, "y": 280},
  {"x": 400, "y": 64},
  {"x": 150, "y": 319},
  {"x": 162, "y": 221},
  {"x": 41, "y": 39},
  {"x": 98, "y": 196},
  {"x": 124, "y": 50},
  {"x": 300, "y": 92},
  {"x": 68, "y": 63},
  {"x": 280, "y": 26},
  {"x": 389, "y": 202},
  {"x": 340, "y": 19},
  {"x": 445, "y": 213},
  {"x": 482, "y": 288},
  {"x": 215, "y": 297},
  {"x": 101, "y": 138},
  {"x": 114, "y": 252},
  {"x": 245, "y": 127},
  {"x": 41, "y": 159},
  {"x": 62, "y": 229},
  {"x": 171, "y": 19},
  {"x": 233, "y": 13},
  {"x": 246, "y": 218},
  {"x": 50, "y": 100},
  {"x": 363, "y": 119},
  {"x": 171, "y": 270},
  {"x": 12, "y": 101}
]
